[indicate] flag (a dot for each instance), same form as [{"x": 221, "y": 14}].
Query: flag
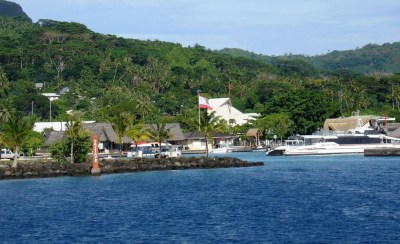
[{"x": 203, "y": 103}]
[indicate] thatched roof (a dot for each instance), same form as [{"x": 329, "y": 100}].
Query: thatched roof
[
  {"x": 103, "y": 130},
  {"x": 254, "y": 132},
  {"x": 53, "y": 137},
  {"x": 345, "y": 124},
  {"x": 174, "y": 130},
  {"x": 193, "y": 135}
]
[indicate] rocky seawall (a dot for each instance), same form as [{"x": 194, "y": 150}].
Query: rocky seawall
[{"x": 51, "y": 168}]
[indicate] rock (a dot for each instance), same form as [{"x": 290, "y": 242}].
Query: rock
[{"x": 46, "y": 168}]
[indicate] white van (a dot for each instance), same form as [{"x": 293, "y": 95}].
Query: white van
[
  {"x": 171, "y": 151},
  {"x": 151, "y": 150},
  {"x": 7, "y": 154}
]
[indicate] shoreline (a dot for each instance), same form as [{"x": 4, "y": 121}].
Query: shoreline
[{"x": 45, "y": 168}]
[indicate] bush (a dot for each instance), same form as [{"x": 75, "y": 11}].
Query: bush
[{"x": 61, "y": 151}]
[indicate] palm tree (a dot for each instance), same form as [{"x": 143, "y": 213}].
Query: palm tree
[
  {"x": 208, "y": 124},
  {"x": 4, "y": 83},
  {"x": 6, "y": 110},
  {"x": 121, "y": 123},
  {"x": 138, "y": 133},
  {"x": 144, "y": 105},
  {"x": 16, "y": 130},
  {"x": 159, "y": 133},
  {"x": 74, "y": 130}
]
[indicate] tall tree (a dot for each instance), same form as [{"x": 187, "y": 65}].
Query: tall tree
[
  {"x": 159, "y": 133},
  {"x": 121, "y": 123},
  {"x": 278, "y": 124},
  {"x": 138, "y": 133},
  {"x": 16, "y": 130},
  {"x": 74, "y": 130},
  {"x": 6, "y": 110},
  {"x": 210, "y": 123}
]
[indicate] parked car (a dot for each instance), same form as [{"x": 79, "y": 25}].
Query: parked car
[
  {"x": 171, "y": 151},
  {"x": 7, "y": 154}
]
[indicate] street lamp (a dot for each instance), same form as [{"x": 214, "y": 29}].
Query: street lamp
[
  {"x": 51, "y": 97},
  {"x": 50, "y": 108}
]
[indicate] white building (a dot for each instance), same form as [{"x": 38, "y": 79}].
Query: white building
[
  {"x": 56, "y": 126},
  {"x": 223, "y": 108}
]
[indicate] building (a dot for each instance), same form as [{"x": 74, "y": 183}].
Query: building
[
  {"x": 175, "y": 131},
  {"x": 195, "y": 140},
  {"x": 223, "y": 108},
  {"x": 107, "y": 136},
  {"x": 342, "y": 125},
  {"x": 253, "y": 136}
]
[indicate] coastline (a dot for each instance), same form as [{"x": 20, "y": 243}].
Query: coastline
[{"x": 51, "y": 168}]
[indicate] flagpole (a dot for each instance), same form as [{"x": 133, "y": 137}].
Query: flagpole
[{"x": 198, "y": 105}]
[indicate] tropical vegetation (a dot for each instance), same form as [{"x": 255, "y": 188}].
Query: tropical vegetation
[
  {"x": 210, "y": 123},
  {"x": 161, "y": 134},
  {"x": 102, "y": 76},
  {"x": 15, "y": 132}
]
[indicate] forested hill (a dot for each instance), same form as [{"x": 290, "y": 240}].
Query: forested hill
[
  {"x": 11, "y": 9},
  {"x": 101, "y": 76},
  {"x": 369, "y": 59}
]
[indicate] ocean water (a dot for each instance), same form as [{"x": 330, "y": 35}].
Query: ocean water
[{"x": 330, "y": 199}]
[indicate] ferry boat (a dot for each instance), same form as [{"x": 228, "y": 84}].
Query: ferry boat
[
  {"x": 350, "y": 143},
  {"x": 353, "y": 141}
]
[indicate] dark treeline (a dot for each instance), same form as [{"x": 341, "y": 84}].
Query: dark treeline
[{"x": 106, "y": 75}]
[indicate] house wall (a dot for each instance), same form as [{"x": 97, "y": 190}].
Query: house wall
[
  {"x": 228, "y": 112},
  {"x": 194, "y": 144}
]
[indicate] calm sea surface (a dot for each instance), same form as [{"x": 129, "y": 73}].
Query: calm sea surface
[{"x": 335, "y": 199}]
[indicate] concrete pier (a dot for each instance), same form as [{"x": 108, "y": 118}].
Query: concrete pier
[{"x": 382, "y": 152}]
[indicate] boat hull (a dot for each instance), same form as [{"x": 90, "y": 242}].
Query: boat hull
[{"x": 333, "y": 148}]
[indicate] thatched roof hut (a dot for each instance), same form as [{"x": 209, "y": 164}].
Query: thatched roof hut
[{"x": 345, "y": 124}]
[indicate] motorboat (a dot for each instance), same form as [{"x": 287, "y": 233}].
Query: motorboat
[
  {"x": 322, "y": 148},
  {"x": 222, "y": 148},
  {"x": 259, "y": 149},
  {"x": 345, "y": 145},
  {"x": 290, "y": 143},
  {"x": 352, "y": 141}
]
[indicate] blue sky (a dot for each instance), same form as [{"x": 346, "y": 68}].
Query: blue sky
[{"x": 270, "y": 27}]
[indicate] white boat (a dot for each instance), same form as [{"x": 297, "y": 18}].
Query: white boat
[
  {"x": 322, "y": 148},
  {"x": 259, "y": 149},
  {"x": 222, "y": 148},
  {"x": 290, "y": 143},
  {"x": 353, "y": 141},
  {"x": 330, "y": 147}
]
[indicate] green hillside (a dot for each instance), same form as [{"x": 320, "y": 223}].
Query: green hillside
[
  {"x": 369, "y": 59},
  {"x": 106, "y": 75}
]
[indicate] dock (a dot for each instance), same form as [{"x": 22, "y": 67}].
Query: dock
[
  {"x": 242, "y": 149},
  {"x": 194, "y": 151},
  {"x": 382, "y": 152}
]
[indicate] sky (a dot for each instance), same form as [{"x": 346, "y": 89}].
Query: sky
[{"x": 269, "y": 27}]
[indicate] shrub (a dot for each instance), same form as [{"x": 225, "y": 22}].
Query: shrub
[{"x": 82, "y": 147}]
